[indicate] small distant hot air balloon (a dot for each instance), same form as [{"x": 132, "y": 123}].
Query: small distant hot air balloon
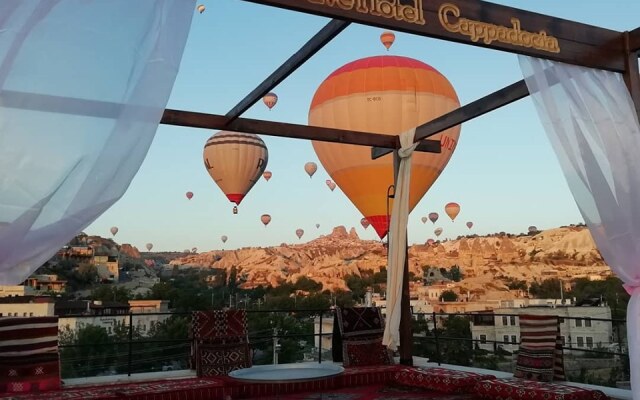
[
  {"x": 194, "y": 250},
  {"x": 114, "y": 230},
  {"x": 438, "y": 231},
  {"x": 430, "y": 242},
  {"x": 186, "y": 251},
  {"x": 265, "y": 218},
  {"x": 149, "y": 246},
  {"x": 469, "y": 224},
  {"x": 387, "y": 38},
  {"x": 452, "y": 210},
  {"x": 189, "y": 195},
  {"x": 310, "y": 168},
  {"x": 224, "y": 238},
  {"x": 270, "y": 100},
  {"x": 365, "y": 223},
  {"x": 267, "y": 175},
  {"x": 235, "y": 161},
  {"x": 433, "y": 217},
  {"x": 533, "y": 229},
  {"x": 331, "y": 184},
  {"x": 299, "y": 233},
  {"x": 424, "y": 219},
  {"x": 201, "y": 8},
  {"x": 318, "y": 226}
]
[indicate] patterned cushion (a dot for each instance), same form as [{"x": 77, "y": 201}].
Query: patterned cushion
[
  {"x": 516, "y": 389},
  {"x": 440, "y": 379},
  {"x": 537, "y": 333},
  {"x": 363, "y": 352},
  {"x": 358, "y": 321},
  {"x": 216, "y": 360},
  {"x": 535, "y": 364}
]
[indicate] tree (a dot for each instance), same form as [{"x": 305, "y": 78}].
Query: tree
[
  {"x": 111, "y": 293},
  {"x": 547, "y": 289},
  {"x": 456, "y": 350},
  {"x": 90, "y": 354},
  {"x": 455, "y": 273},
  {"x": 449, "y": 295},
  {"x": 308, "y": 285}
]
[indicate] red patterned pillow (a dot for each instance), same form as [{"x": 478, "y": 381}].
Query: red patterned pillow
[
  {"x": 363, "y": 352},
  {"x": 535, "y": 364}
]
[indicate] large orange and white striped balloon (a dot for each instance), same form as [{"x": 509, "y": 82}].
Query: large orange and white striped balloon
[
  {"x": 388, "y": 95},
  {"x": 235, "y": 161}
]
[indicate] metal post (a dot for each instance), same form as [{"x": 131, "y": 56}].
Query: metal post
[
  {"x": 129, "y": 361},
  {"x": 406, "y": 334},
  {"x": 435, "y": 335},
  {"x": 320, "y": 340},
  {"x": 275, "y": 346}
]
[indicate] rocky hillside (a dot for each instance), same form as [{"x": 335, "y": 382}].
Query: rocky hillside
[{"x": 566, "y": 252}]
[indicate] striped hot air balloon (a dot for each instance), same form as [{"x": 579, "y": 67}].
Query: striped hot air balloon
[
  {"x": 267, "y": 175},
  {"x": 365, "y": 223},
  {"x": 387, "y": 38},
  {"x": 386, "y": 95},
  {"x": 270, "y": 100},
  {"x": 424, "y": 219},
  {"x": 433, "y": 217},
  {"x": 265, "y": 218},
  {"x": 310, "y": 168},
  {"x": 235, "y": 162},
  {"x": 452, "y": 210},
  {"x": 438, "y": 231},
  {"x": 299, "y": 233}
]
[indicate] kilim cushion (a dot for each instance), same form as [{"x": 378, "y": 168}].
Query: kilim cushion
[
  {"x": 440, "y": 379},
  {"x": 535, "y": 364},
  {"x": 216, "y": 360},
  {"x": 540, "y": 333},
  {"x": 358, "y": 321},
  {"x": 362, "y": 352},
  {"x": 516, "y": 389}
]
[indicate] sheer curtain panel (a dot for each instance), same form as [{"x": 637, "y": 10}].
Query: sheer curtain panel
[
  {"x": 83, "y": 85},
  {"x": 591, "y": 122}
]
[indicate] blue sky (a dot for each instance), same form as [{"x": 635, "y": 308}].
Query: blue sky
[{"x": 504, "y": 173}]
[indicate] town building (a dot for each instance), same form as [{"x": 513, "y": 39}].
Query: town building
[
  {"x": 26, "y": 306},
  {"x": 16, "y": 290},
  {"x": 46, "y": 283}
]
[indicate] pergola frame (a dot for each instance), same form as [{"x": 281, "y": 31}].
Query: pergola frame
[
  {"x": 494, "y": 26},
  {"x": 472, "y": 22}
]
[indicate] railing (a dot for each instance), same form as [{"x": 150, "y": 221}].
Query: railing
[{"x": 290, "y": 336}]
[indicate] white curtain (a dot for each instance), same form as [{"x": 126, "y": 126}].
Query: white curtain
[
  {"x": 591, "y": 122},
  {"x": 398, "y": 242},
  {"x": 83, "y": 85}
]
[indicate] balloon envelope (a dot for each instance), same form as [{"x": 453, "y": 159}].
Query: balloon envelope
[
  {"x": 265, "y": 218},
  {"x": 438, "y": 231},
  {"x": 299, "y": 233},
  {"x": 189, "y": 195},
  {"x": 424, "y": 219},
  {"x": 317, "y": 225},
  {"x": 387, "y": 38},
  {"x": 114, "y": 230},
  {"x": 235, "y": 161},
  {"x": 201, "y": 8},
  {"x": 365, "y": 223},
  {"x": 430, "y": 242},
  {"x": 533, "y": 229},
  {"x": 452, "y": 210},
  {"x": 433, "y": 217},
  {"x": 469, "y": 224},
  {"x": 149, "y": 246},
  {"x": 386, "y": 95},
  {"x": 270, "y": 100},
  {"x": 331, "y": 184},
  {"x": 267, "y": 175},
  {"x": 310, "y": 168},
  {"x": 194, "y": 250},
  {"x": 224, "y": 238}
]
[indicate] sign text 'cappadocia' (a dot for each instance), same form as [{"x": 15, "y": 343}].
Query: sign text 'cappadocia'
[{"x": 450, "y": 18}]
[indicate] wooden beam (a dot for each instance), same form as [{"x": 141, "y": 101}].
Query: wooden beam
[
  {"x": 426, "y": 146},
  {"x": 632, "y": 73},
  {"x": 317, "y": 42},
  {"x": 578, "y": 43},
  {"x": 634, "y": 40}
]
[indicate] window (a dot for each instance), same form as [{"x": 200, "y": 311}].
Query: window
[
  {"x": 589, "y": 342},
  {"x": 504, "y": 321},
  {"x": 24, "y": 314},
  {"x": 564, "y": 340},
  {"x": 587, "y": 322},
  {"x": 483, "y": 338},
  {"x": 580, "y": 341},
  {"x": 578, "y": 323},
  {"x": 513, "y": 320},
  {"x": 561, "y": 320},
  {"x": 505, "y": 338},
  {"x": 514, "y": 340},
  {"x": 31, "y": 314}
]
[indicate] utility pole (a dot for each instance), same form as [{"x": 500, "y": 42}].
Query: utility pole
[{"x": 276, "y": 346}]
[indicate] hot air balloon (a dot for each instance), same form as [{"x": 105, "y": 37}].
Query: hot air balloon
[
  {"x": 235, "y": 161},
  {"x": 310, "y": 168},
  {"x": 387, "y": 95},
  {"x": 452, "y": 210},
  {"x": 194, "y": 250},
  {"x": 267, "y": 175},
  {"x": 224, "y": 238},
  {"x": 433, "y": 217},
  {"x": 189, "y": 195},
  {"x": 365, "y": 223},
  {"x": 201, "y": 8},
  {"x": 265, "y": 218},
  {"x": 424, "y": 219},
  {"x": 533, "y": 229},
  {"x": 387, "y": 38},
  {"x": 438, "y": 231},
  {"x": 331, "y": 184},
  {"x": 186, "y": 251},
  {"x": 317, "y": 226},
  {"x": 149, "y": 246},
  {"x": 430, "y": 242},
  {"x": 299, "y": 233},
  {"x": 469, "y": 224},
  {"x": 270, "y": 100},
  {"x": 114, "y": 230}
]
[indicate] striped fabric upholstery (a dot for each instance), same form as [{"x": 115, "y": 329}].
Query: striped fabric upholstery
[
  {"x": 540, "y": 356},
  {"x": 29, "y": 360}
]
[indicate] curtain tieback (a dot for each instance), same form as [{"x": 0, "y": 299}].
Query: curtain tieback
[{"x": 632, "y": 288}]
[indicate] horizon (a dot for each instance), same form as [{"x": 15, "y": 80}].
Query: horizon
[{"x": 504, "y": 190}]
